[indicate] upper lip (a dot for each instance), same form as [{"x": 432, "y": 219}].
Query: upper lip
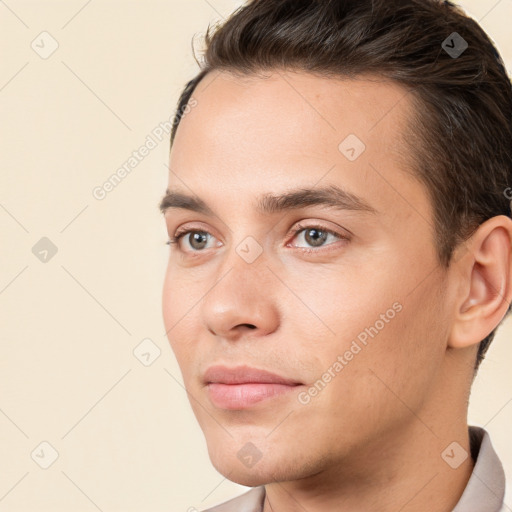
[{"x": 244, "y": 375}]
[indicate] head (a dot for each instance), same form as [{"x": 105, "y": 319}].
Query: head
[{"x": 347, "y": 164}]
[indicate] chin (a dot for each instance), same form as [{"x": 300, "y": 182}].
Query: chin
[
  {"x": 267, "y": 469},
  {"x": 247, "y": 477}
]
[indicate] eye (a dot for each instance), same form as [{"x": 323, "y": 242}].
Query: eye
[
  {"x": 316, "y": 235},
  {"x": 197, "y": 239}
]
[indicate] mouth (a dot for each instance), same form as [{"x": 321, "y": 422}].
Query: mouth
[{"x": 243, "y": 386}]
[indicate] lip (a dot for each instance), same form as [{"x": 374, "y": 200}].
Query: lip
[
  {"x": 244, "y": 386},
  {"x": 244, "y": 375}
]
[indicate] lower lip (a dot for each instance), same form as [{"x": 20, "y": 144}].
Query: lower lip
[{"x": 240, "y": 396}]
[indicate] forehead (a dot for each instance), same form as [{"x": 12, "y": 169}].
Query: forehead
[
  {"x": 251, "y": 135},
  {"x": 301, "y": 102}
]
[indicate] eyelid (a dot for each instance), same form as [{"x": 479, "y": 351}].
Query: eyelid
[
  {"x": 182, "y": 232},
  {"x": 298, "y": 228},
  {"x": 319, "y": 226}
]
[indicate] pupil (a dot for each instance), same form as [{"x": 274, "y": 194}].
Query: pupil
[
  {"x": 316, "y": 240},
  {"x": 197, "y": 238}
]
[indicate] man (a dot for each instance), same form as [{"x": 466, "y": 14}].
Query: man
[{"x": 341, "y": 253}]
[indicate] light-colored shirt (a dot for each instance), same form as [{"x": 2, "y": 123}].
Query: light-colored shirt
[{"x": 484, "y": 492}]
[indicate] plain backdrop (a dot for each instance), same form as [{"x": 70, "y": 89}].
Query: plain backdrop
[{"x": 93, "y": 415}]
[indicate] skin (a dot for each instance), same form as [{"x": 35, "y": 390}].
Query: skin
[{"x": 374, "y": 435}]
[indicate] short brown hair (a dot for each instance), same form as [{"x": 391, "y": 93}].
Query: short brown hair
[{"x": 458, "y": 81}]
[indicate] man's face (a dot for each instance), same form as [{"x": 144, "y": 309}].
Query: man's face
[{"x": 356, "y": 318}]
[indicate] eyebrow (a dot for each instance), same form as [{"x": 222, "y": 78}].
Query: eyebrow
[{"x": 331, "y": 196}]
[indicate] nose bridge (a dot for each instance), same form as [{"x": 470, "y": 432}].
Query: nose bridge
[
  {"x": 241, "y": 293},
  {"x": 245, "y": 269}
]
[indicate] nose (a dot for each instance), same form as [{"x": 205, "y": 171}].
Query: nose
[{"x": 243, "y": 300}]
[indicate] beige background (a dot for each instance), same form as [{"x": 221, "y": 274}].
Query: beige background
[{"x": 124, "y": 432}]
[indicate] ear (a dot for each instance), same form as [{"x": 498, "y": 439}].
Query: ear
[{"x": 484, "y": 273}]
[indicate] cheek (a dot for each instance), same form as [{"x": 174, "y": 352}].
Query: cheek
[
  {"x": 343, "y": 302},
  {"x": 178, "y": 299},
  {"x": 170, "y": 300},
  {"x": 396, "y": 361},
  {"x": 376, "y": 385},
  {"x": 384, "y": 321},
  {"x": 179, "y": 295}
]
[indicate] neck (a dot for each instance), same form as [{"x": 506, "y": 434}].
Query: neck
[{"x": 404, "y": 472}]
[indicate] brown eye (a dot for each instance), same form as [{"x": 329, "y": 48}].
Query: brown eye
[
  {"x": 315, "y": 236},
  {"x": 197, "y": 239}
]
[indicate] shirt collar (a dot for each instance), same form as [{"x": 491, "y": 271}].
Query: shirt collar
[{"x": 485, "y": 489}]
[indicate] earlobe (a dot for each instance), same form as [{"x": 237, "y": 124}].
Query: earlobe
[{"x": 486, "y": 290}]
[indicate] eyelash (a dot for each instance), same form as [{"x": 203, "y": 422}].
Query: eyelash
[{"x": 175, "y": 239}]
